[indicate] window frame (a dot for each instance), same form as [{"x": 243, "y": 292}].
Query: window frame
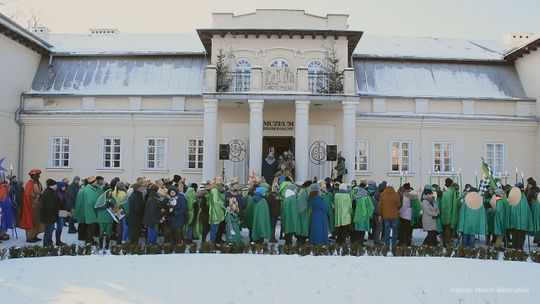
[
  {"x": 503, "y": 164},
  {"x": 368, "y": 155},
  {"x": 165, "y": 153},
  {"x": 102, "y": 153},
  {"x": 282, "y": 60},
  {"x": 400, "y": 165},
  {"x": 452, "y": 157},
  {"x": 61, "y": 159},
  {"x": 245, "y": 71},
  {"x": 186, "y": 159},
  {"x": 317, "y": 81}
]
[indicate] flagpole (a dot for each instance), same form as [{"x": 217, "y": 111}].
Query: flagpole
[{"x": 476, "y": 178}]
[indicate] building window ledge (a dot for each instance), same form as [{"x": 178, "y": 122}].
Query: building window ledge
[
  {"x": 155, "y": 171},
  {"x": 59, "y": 169},
  {"x": 394, "y": 174},
  {"x": 110, "y": 169},
  {"x": 364, "y": 173}
]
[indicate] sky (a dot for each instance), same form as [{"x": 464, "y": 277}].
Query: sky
[{"x": 473, "y": 19}]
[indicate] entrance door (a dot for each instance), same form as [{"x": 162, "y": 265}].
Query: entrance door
[{"x": 278, "y": 145}]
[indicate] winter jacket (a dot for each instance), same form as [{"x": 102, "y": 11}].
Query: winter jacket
[
  {"x": 430, "y": 212},
  {"x": 180, "y": 210},
  {"x": 136, "y": 209},
  {"x": 50, "y": 205},
  {"x": 390, "y": 204},
  {"x": 71, "y": 195},
  {"x": 151, "y": 212}
]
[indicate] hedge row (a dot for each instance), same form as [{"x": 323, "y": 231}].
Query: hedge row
[{"x": 484, "y": 253}]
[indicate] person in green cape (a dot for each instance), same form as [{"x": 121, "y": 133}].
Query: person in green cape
[
  {"x": 216, "y": 210},
  {"x": 449, "y": 210},
  {"x": 233, "y": 235},
  {"x": 328, "y": 197},
  {"x": 353, "y": 189},
  {"x": 91, "y": 194},
  {"x": 362, "y": 213},
  {"x": 490, "y": 215},
  {"x": 472, "y": 217},
  {"x": 521, "y": 221},
  {"x": 289, "y": 210},
  {"x": 79, "y": 212},
  {"x": 304, "y": 214},
  {"x": 192, "y": 228},
  {"x": 104, "y": 210},
  {"x": 343, "y": 213},
  {"x": 536, "y": 214},
  {"x": 500, "y": 217},
  {"x": 261, "y": 217}
]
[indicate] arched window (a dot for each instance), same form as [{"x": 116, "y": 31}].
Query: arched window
[
  {"x": 316, "y": 76},
  {"x": 242, "y": 75},
  {"x": 280, "y": 63}
]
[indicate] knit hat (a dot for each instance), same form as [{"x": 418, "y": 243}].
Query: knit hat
[
  {"x": 121, "y": 186},
  {"x": 136, "y": 186},
  {"x": 260, "y": 191},
  {"x": 315, "y": 188},
  {"x": 77, "y": 178},
  {"x": 50, "y": 182},
  {"x": 499, "y": 192}
]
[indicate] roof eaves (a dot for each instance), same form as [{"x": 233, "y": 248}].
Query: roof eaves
[{"x": 8, "y": 26}]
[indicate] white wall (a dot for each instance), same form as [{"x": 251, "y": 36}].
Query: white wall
[{"x": 18, "y": 65}]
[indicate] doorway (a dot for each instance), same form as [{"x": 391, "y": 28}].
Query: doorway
[{"x": 278, "y": 145}]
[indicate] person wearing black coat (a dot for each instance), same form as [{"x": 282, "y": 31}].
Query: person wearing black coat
[
  {"x": 71, "y": 197},
  {"x": 136, "y": 213},
  {"x": 50, "y": 205},
  {"x": 152, "y": 214},
  {"x": 178, "y": 204}
]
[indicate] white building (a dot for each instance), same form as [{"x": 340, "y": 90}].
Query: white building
[{"x": 129, "y": 105}]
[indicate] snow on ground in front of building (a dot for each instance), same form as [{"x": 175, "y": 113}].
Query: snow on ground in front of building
[
  {"x": 246, "y": 278},
  {"x": 221, "y": 278}
]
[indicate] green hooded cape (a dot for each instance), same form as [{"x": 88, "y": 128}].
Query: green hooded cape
[
  {"x": 79, "y": 206},
  {"x": 261, "y": 220},
  {"x": 216, "y": 207},
  {"x": 304, "y": 213},
  {"x": 289, "y": 209},
  {"x": 91, "y": 195},
  {"x": 363, "y": 213},
  {"x": 449, "y": 207},
  {"x": 521, "y": 216},
  {"x": 472, "y": 221},
  {"x": 329, "y": 199},
  {"x": 343, "y": 206}
]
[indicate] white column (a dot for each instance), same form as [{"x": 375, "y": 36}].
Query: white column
[
  {"x": 301, "y": 140},
  {"x": 210, "y": 139},
  {"x": 348, "y": 139},
  {"x": 255, "y": 135}
]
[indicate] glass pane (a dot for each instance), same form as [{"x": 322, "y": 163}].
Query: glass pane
[
  {"x": 117, "y": 149},
  {"x": 151, "y": 157},
  {"x": 117, "y": 164},
  {"x": 192, "y": 142},
  {"x": 191, "y": 157},
  {"x": 117, "y": 141},
  {"x": 191, "y": 165}
]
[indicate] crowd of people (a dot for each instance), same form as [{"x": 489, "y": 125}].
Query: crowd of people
[{"x": 314, "y": 211}]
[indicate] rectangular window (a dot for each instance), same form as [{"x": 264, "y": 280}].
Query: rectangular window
[
  {"x": 362, "y": 156},
  {"x": 156, "y": 153},
  {"x": 195, "y": 153},
  {"x": 443, "y": 157},
  {"x": 400, "y": 156},
  {"x": 111, "y": 153},
  {"x": 60, "y": 152},
  {"x": 495, "y": 157}
]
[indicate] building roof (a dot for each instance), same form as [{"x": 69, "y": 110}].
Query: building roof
[
  {"x": 523, "y": 49},
  {"x": 128, "y": 75},
  {"x": 127, "y": 44},
  {"x": 429, "y": 48},
  {"x": 16, "y": 32},
  {"x": 415, "y": 79}
]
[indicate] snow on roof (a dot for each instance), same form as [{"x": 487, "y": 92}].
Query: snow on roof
[
  {"x": 128, "y": 75},
  {"x": 126, "y": 44},
  {"x": 429, "y": 48},
  {"x": 434, "y": 79}
]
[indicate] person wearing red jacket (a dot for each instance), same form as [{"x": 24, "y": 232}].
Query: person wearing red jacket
[{"x": 31, "y": 205}]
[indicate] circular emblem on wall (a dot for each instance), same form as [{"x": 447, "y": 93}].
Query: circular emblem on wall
[
  {"x": 317, "y": 152},
  {"x": 237, "y": 150}
]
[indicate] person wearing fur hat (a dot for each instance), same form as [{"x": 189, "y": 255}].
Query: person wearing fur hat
[
  {"x": 261, "y": 228},
  {"x": 318, "y": 228},
  {"x": 50, "y": 205},
  {"x": 343, "y": 213}
]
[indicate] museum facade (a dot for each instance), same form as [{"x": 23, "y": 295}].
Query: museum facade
[{"x": 155, "y": 105}]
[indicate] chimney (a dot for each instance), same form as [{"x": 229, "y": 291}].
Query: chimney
[
  {"x": 515, "y": 39},
  {"x": 104, "y": 31},
  {"x": 42, "y": 32}
]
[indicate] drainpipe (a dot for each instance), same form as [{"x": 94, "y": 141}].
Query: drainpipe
[{"x": 21, "y": 135}]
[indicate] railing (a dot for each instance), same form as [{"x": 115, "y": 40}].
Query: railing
[{"x": 237, "y": 81}]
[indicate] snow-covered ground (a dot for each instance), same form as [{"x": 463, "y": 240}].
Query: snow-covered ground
[
  {"x": 221, "y": 278},
  {"x": 214, "y": 278}
]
